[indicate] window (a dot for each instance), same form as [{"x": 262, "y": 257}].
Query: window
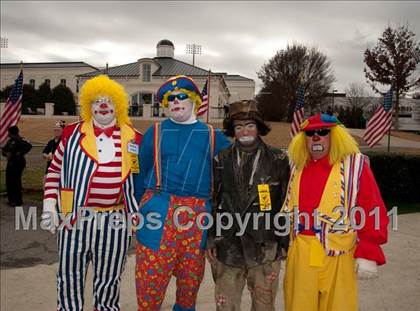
[
  {"x": 48, "y": 82},
  {"x": 134, "y": 99},
  {"x": 135, "y": 108},
  {"x": 147, "y": 98},
  {"x": 32, "y": 82},
  {"x": 147, "y": 68},
  {"x": 63, "y": 82}
]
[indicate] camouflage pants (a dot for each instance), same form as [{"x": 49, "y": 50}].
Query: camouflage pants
[{"x": 262, "y": 282}]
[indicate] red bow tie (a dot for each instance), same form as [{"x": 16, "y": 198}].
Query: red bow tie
[{"x": 108, "y": 131}]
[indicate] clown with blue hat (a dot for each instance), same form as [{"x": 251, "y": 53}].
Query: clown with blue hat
[
  {"x": 174, "y": 185},
  {"x": 179, "y": 83}
]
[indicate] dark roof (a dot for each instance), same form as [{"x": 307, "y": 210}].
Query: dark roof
[
  {"x": 171, "y": 67},
  {"x": 165, "y": 42},
  {"x": 336, "y": 94},
  {"x": 229, "y": 77},
  {"x": 47, "y": 65},
  {"x": 168, "y": 67},
  {"x": 236, "y": 77},
  {"x": 127, "y": 70}
]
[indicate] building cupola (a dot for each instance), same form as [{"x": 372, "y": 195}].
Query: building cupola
[{"x": 165, "y": 48}]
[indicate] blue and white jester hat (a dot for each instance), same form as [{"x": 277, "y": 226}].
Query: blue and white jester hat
[{"x": 183, "y": 84}]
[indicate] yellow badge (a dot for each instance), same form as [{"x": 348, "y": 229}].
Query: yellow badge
[
  {"x": 134, "y": 163},
  {"x": 264, "y": 195},
  {"x": 133, "y": 151}
]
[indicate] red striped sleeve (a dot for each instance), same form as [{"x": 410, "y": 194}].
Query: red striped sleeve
[{"x": 52, "y": 181}]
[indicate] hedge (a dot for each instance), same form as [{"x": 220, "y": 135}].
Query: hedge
[{"x": 397, "y": 175}]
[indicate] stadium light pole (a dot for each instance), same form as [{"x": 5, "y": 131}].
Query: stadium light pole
[
  {"x": 193, "y": 49},
  {"x": 4, "y": 43}
]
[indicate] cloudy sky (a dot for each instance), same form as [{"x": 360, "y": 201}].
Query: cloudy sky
[{"x": 236, "y": 37}]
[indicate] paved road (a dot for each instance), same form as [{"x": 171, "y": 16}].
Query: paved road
[{"x": 24, "y": 248}]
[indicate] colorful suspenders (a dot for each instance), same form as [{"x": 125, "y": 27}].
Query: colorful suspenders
[{"x": 157, "y": 156}]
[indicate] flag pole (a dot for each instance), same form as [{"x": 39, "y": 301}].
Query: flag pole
[
  {"x": 389, "y": 131},
  {"x": 21, "y": 70},
  {"x": 208, "y": 95}
]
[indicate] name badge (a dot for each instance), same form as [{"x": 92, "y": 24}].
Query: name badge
[
  {"x": 264, "y": 196},
  {"x": 133, "y": 148},
  {"x": 134, "y": 163}
]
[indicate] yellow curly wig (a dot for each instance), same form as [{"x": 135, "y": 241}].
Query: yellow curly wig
[
  {"x": 342, "y": 145},
  {"x": 195, "y": 98},
  {"x": 104, "y": 86}
]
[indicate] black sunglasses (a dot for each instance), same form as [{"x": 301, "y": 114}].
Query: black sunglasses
[
  {"x": 322, "y": 132},
  {"x": 180, "y": 96}
]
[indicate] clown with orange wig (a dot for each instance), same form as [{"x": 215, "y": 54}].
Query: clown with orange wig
[
  {"x": 174, "y": 186},
  {"x": 338, "y": 219},
  {"x": 89, "y": 187}
]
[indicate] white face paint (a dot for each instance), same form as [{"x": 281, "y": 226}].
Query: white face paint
[
  {"x": 246, "y": 131},
  {"x": 180, "y": 109},
  {"x": 247, "y": 140},
  {"x": 103, "y": 110}
]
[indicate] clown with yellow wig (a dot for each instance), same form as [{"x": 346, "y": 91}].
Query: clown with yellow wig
[
  {"x": 338, "y": 219},
  {"x": 174, "y": 186},
  {"x": 89, "y": 187}
]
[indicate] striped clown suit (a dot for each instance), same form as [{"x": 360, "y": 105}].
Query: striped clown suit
[{"x": 91, "y": 179}]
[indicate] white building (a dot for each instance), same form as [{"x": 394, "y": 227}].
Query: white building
[
  {"x": 53, "y": 73},
  {"x": 141, "y": 80}
]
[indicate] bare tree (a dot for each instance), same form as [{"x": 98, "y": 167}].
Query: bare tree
[
  {"x": 357, "y": 96},
  {"x": 359, "y": 105},
  {"x": 281, "y": 78}
]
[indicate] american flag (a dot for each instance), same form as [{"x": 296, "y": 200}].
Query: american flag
[
  {"x": 12, "y": 108},
  {"x": 381, "y": 121},
  {"x": 298, "y": 111},
  {"x": 205, "y": 104}
]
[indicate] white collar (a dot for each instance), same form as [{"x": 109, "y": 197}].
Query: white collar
[{"x": 191, "y": 120}]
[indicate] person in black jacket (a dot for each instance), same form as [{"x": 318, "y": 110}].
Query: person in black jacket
[
  {"x": 52, "y": 145},
  {"x": 250, "y": 181},
  {"x": 14, "y": 150}
]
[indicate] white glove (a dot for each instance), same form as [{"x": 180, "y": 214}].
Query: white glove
[
  {"x": 135, "y": 221},
  {"x": 49, "y": 215},
  {"x": 366, "y": 269}
]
